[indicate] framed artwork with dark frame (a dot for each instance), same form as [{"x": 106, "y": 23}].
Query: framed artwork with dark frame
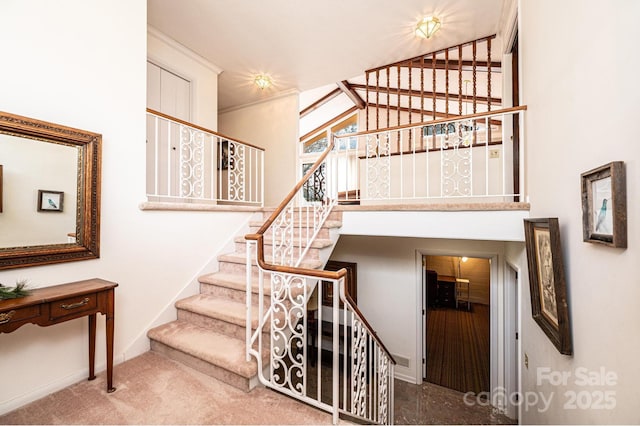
[
  {"x": 351, "y": 281},
  {"x": 223, "y": 155},
  {"x": 50, "y": 201},
  {"x": 604, "y": 205},
  {"x": 547, "y": 283}
]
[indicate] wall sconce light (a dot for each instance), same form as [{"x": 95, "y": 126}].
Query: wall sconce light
[
  {"x": 427, "y": 27},
  {"x": 263, "y": 81}
]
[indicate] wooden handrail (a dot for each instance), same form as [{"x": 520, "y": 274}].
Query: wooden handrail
[
  {"x": 204, "y": 129},
  {"x": 258, "y": 236},
  {"x": 291, "y": 194},
  {"x": 438, "y": 121},
  {"x": 430, "y": 54}
]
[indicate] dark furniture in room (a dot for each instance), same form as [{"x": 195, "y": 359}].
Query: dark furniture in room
[
  {"x": 432, "y": 289},
  {"x": 441, "y": 290},
  {"x": 446, "y": 291}
]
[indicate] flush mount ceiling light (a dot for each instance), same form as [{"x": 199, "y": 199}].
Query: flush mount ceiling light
[
  {"x": 427, "y": 27},
  {"x": 263, "y": 81}
]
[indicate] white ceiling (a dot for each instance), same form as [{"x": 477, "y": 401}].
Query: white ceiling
[{"x": 307, "y": 44}]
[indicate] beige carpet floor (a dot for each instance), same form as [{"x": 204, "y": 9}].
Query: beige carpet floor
[{"x": 152, "y": 389}]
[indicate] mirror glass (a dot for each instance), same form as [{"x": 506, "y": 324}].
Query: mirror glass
[
  {"x": 49, "y": 192},
  {"x": 40, "y": 186}
]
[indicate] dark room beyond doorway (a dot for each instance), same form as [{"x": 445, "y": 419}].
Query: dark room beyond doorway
[{"x": 457, "y": 333}]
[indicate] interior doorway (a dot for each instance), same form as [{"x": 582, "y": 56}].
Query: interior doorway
[{"x": 457, "y": 326}]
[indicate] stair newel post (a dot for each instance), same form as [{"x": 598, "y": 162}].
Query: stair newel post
[
  {"x": 337, "y": 284},
  {"x": 248, "y": 300},
  {"x": 260, "y": 307},
  {"x": 391, "y": 396}
]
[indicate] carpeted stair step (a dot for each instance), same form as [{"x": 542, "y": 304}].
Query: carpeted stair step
[
  {"x": 333, "y": 215},
  {"x": 312, "y": 253},
  {"x": 324, "y": 232},
  {"x": 220, "y": 315},
  {"x": 210, "y": 352},
  {"x": 235, "y": 263},
  {"x": 303, "y": 224},
  {"x": 318, "y": 243},
  {"x": 233, "y": 286}
]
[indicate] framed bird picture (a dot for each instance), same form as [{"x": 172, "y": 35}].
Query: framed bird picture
[
  {"x": 604, "y": 205},
  {"x": 50, "y": 201}
]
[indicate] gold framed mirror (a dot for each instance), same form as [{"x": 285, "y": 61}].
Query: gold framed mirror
[{"x": 42, "y": 163}]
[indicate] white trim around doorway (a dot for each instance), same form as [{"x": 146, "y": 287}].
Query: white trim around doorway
[{"x": 498, "y": 303}]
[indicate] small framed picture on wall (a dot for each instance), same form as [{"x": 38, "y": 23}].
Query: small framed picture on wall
[
  {"x": 604, "y": 205},
  {"x": 50, "y": 201}
]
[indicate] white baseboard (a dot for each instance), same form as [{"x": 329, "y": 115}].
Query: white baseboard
[
  {"x": 405, "y": 378},
  {"x": 54, "y": 386},
  {"x": 140, "y": 344}
]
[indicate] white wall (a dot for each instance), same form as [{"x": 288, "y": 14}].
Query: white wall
[
  {"x": 272, "y": 125},
  {"x": 83, "y": 64},
  {"x": 579, "y": 80},
  {"x": 389, "y": 286},
  {"x": 30, "y": 166},
  {"x": 429, "y": 175}
]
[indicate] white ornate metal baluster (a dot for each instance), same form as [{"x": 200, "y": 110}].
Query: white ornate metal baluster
[
  {"x": 191, "y": 163},
  {"x": 456, "y": 161},
  {"x": 236, "y": 171},
  {"x": 383, "y": 384},
  {"x": 359, "y": 369},
  {"x": 379, "y": 166},
  {"x": 288, "y": 333},
  {"x": 282, "y": 231}
]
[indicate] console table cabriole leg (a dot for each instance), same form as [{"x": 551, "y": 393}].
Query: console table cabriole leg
[{"x": 110, "y": 328}]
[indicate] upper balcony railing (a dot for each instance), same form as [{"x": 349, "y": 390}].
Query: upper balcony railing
[
  {"x": 187, "y": 163},
  {"x": 470, "y": 158}
]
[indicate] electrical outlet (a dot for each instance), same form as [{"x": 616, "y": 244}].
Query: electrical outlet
[
  {"x": 494, "y": 153},
  {"x": 526, "y": 361}
]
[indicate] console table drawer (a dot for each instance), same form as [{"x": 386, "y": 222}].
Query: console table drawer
[
  {"x": 73, "y": 306},
  {"x": 20, "y": 314}
]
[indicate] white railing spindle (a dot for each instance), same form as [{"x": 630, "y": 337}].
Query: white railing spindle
[{"x": 185, "y": 169}]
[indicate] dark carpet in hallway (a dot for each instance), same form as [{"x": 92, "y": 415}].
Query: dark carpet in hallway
[{"x": 458, "y": 348}]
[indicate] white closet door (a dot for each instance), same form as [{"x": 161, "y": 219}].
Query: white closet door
[{"x": 170, "y": 94}]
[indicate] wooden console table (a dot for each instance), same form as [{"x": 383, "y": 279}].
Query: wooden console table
[{"x": 53, "y": 305}]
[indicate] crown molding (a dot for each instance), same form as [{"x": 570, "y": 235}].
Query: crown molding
[
  {"x": 278, "y": 95},
  {"x": 508, "y": 24},
  {"x": 154, "y": 32}
]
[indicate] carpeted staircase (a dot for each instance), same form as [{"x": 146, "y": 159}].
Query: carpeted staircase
[{"x": 209, "y": 333}]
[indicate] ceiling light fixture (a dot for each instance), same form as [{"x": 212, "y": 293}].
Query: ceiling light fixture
[
  {"x": 263, "y": 81},
  {"x": 427, "y": 27}
]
